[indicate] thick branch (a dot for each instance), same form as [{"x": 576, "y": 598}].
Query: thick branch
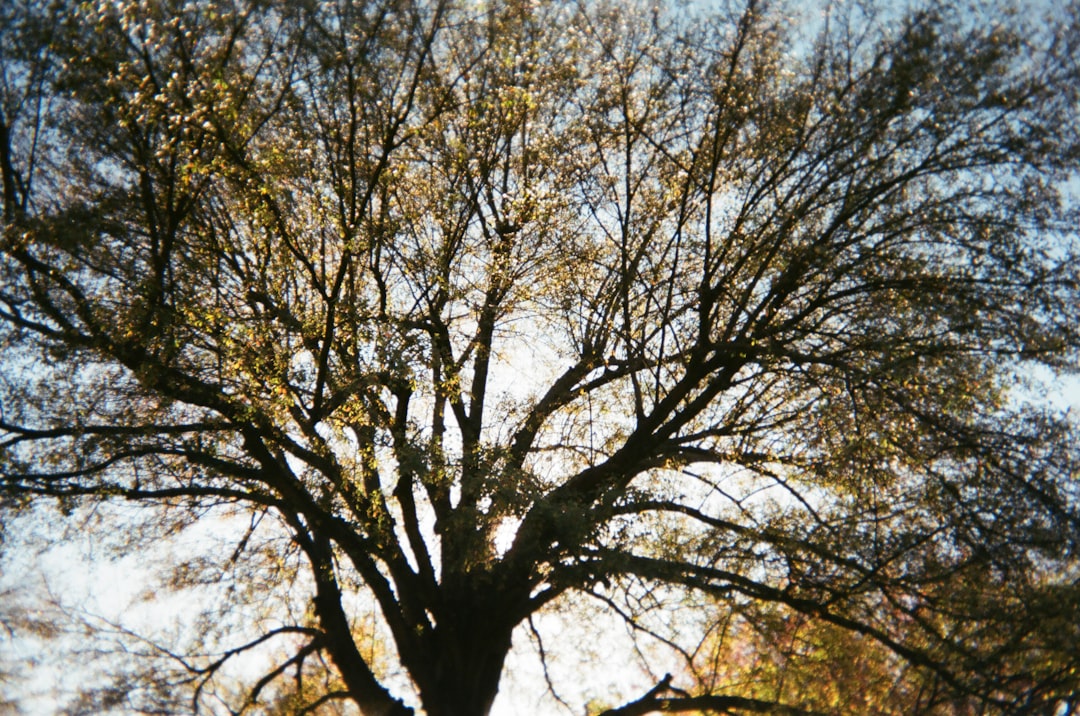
[{"x": 655, "y": 702}]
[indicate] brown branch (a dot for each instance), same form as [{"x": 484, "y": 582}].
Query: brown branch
[
  {"x": 719, "y": 581},
  {"x": 11, "y": 181},
  {"x": 364, "y": 688},
  {"x": 655, "y": 702}
]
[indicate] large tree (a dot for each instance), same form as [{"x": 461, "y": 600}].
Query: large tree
[{"x": 716, "y": 318}]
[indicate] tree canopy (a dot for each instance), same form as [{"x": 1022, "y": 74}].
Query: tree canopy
[{"x": 717, "y": 321}]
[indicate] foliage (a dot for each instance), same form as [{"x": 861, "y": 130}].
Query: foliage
[{"x": 460, "y": 311}]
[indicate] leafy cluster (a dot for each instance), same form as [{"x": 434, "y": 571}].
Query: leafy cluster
[{"x": 465, "y": 310}]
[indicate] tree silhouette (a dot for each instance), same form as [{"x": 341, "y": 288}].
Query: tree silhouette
[{"x": 471, "y": 309}]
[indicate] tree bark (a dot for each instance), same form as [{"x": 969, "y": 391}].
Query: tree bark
[{"x": 472, "y": 640}]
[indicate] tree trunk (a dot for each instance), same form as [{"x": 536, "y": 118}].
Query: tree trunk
[{"x": 472, "y": 644}]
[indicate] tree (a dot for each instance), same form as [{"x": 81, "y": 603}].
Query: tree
[{"x": 469, "y": 310}]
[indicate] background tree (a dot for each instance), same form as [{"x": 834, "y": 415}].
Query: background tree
[{"x": 465, "y": 311}]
